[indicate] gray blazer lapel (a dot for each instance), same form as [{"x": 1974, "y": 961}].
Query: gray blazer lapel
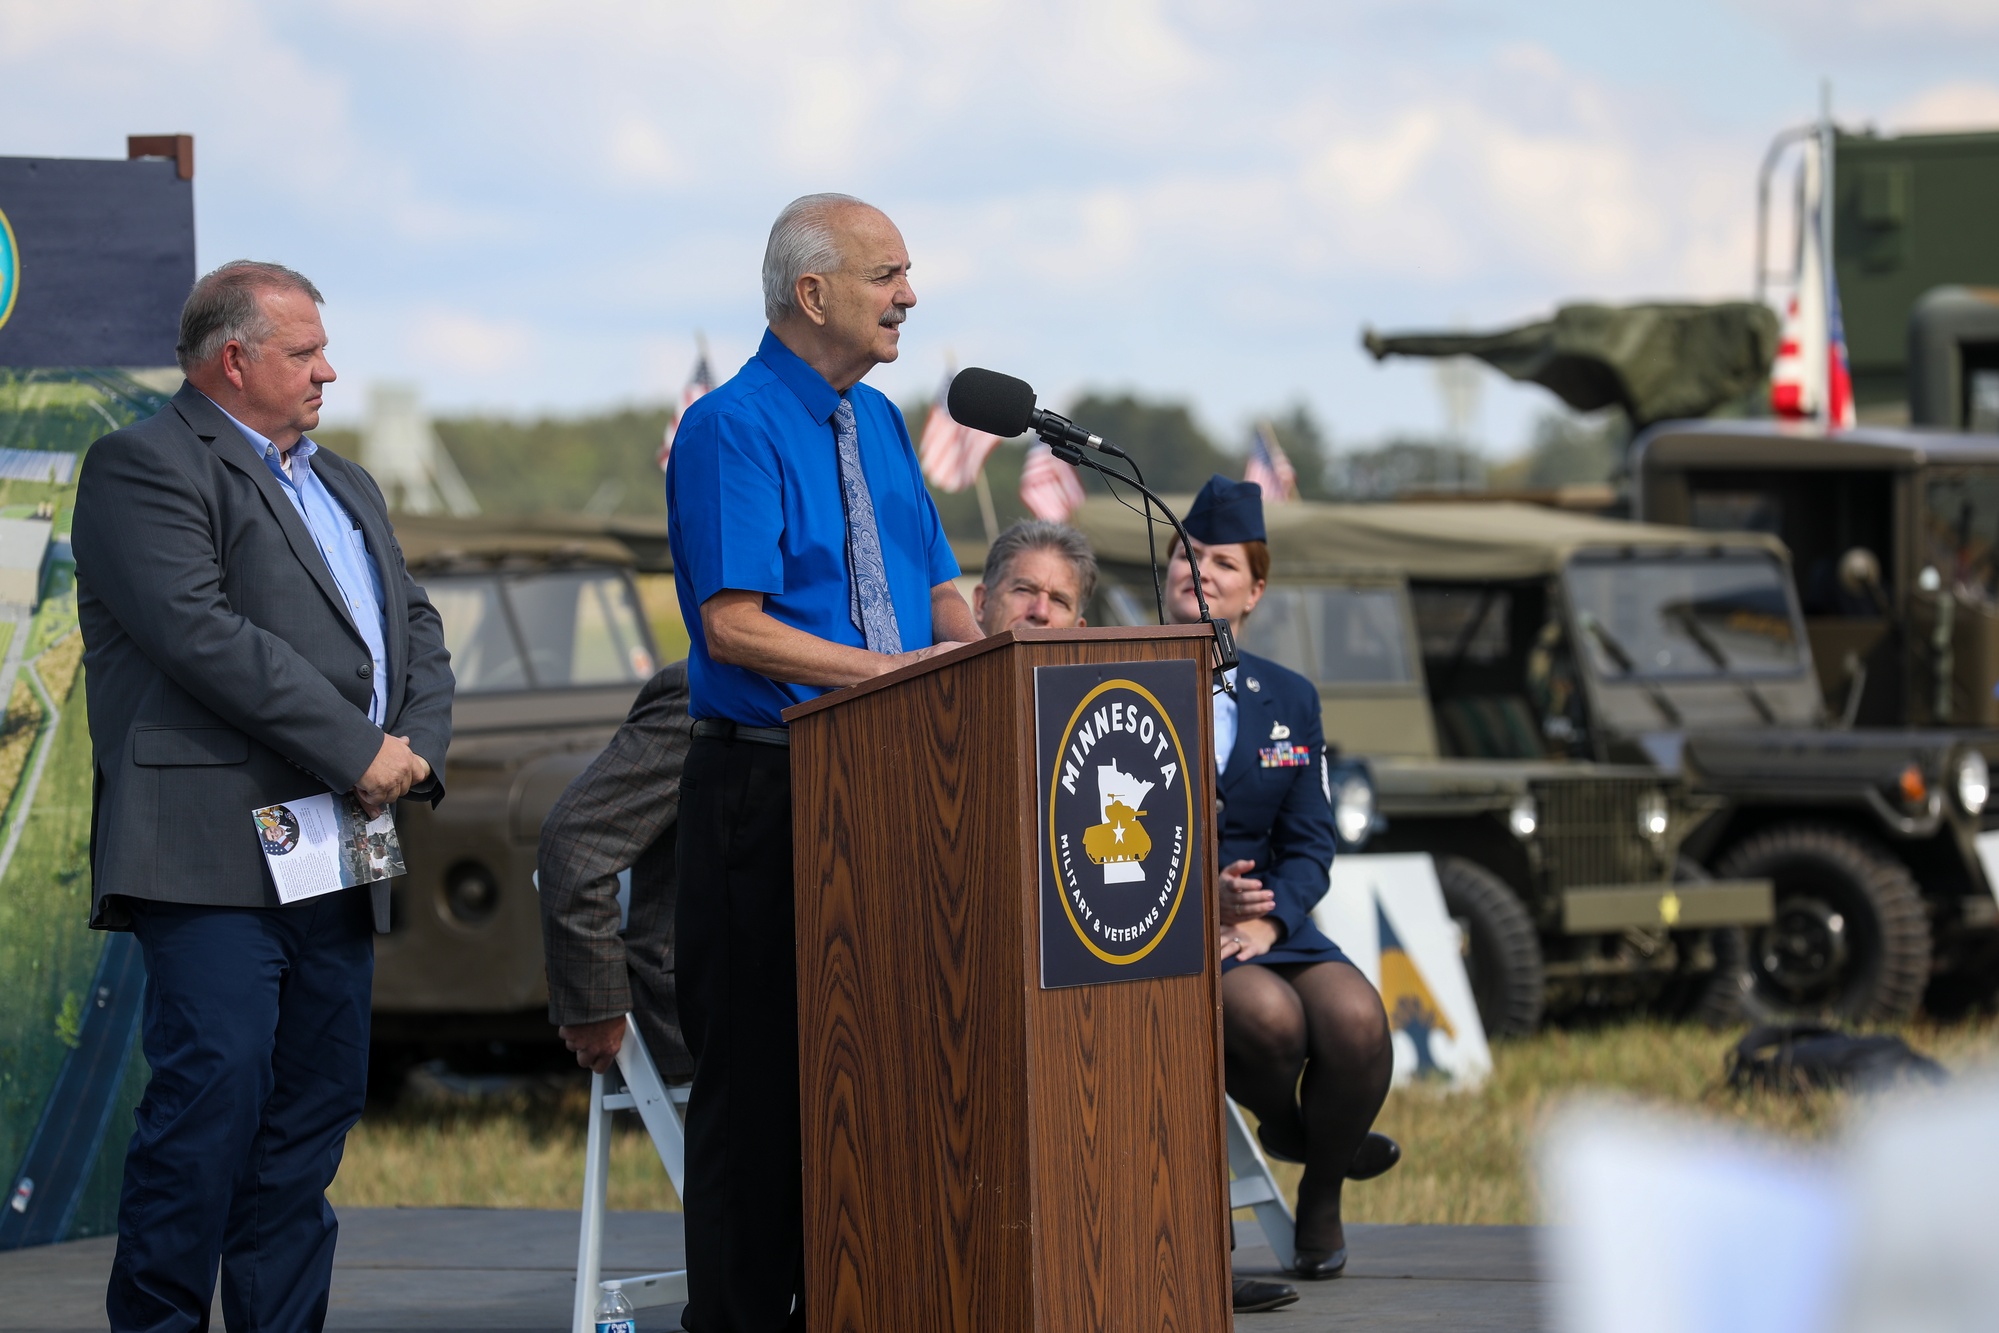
[
  {"x": 215, "y": 428},
  {"x": 381, "y": 544}
]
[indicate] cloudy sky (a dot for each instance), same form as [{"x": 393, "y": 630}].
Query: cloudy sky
[{"x": 532, "y": 206}]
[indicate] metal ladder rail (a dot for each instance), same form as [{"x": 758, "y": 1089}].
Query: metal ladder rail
[
  {"x": 1254, "y": 1187},
  {"x": 661, "y": 1109}
]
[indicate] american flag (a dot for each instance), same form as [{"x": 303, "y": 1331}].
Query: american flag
[
  {"x": 1792, "y": 390},
  {"x": 1811, "y": 377},
  {"x": 1049, "y": 487},
  {"x": 951, "y": 454},
  {"x": 1269, "y": 468},
  {"x": 1839, "y": 370},
  {"x": 700, "y": 382}
]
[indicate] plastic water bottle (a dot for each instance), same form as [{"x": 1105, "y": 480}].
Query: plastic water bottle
[{"x": 614, "y": 1310}]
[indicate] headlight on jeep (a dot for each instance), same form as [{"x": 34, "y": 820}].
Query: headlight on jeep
[
  {"x": 1974, "y": 782},
  {"x": 1653, "y": 816},
  {"x": 1523, "y": 818},
  {"x": 1353, "y": 809}
]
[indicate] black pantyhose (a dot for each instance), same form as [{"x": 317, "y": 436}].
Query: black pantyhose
[{"x": 1323, "y": 1020}]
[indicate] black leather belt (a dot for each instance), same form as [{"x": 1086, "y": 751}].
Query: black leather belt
[{"x": 721, "y": 728}]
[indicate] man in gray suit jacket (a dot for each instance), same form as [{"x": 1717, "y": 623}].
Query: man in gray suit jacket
[
  {"x": 251, "y": 636},
  {"x": 620, "y": 814}
]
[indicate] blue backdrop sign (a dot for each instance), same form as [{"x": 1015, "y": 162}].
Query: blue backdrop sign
[{"x": 96, "y": 258}]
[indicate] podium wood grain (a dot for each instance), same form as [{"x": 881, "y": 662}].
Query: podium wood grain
[{"x": 979, "y": 1153}]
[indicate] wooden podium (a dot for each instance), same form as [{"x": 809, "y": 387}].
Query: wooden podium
[{"x": 983, "y": 1151}]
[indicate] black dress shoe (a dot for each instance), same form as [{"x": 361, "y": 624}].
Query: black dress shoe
[
  {"x": 1317, "y": 1265},
  {"x": 1252, "y": 1296},
  {"x": 1377, "y": 1156},
  {"x": 1283, "y": 1146}
]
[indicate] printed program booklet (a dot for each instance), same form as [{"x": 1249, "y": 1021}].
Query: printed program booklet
[{"x": 327, "y": 842}]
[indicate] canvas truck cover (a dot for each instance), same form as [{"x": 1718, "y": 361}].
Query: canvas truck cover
[
  {"x": 1443, "y": 542},
  {"x": 1805, "y": 446},
  {"x": 433, "y": 541}
]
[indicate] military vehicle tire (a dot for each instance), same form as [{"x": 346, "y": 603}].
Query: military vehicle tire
[
  {"x": 1851, "y": 941},
  {"x": 1501, "y": 949}
]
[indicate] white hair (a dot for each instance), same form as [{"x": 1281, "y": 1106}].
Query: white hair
[{"x": 801, "y": 242}]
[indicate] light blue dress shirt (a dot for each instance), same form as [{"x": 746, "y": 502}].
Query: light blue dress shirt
[
  {"x": 1225, "y": 724},
  {"x": 343, "y": 546}
]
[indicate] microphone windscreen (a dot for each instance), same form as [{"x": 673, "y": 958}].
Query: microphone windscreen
[{"x": 989, "y": 401}]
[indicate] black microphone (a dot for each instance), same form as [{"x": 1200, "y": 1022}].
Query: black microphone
[{"x": 1004, "y": 406}]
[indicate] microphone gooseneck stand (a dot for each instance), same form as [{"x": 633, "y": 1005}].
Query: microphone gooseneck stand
[
  {"x": 1049, "y": 429},
  {"x": 1151, "y": 550}
]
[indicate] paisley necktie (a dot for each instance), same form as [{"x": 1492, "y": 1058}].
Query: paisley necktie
[{"x": 870, "y": 605}]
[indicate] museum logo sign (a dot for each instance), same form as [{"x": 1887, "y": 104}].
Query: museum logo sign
[{"x": 1120, "y": 809}]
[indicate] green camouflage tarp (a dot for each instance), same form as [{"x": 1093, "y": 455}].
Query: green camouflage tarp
[{"x": 1656, "y": 361}]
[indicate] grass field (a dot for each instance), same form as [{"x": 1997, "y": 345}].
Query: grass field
[
  {"x": 47, "y": 950},
  {"x": 1466, "y": 1155},
  {"x": 518, "y": 1151},
  {"x": 20, "y": 729}
]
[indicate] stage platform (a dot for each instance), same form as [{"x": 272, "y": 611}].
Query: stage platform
[{"x": 457, "y": 1270}]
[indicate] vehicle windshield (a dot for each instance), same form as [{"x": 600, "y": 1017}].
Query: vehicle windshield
[
  {"x": 548, "y": 631},
  {"x": 1332, "y": 635},
  {"x": 1960, "y": 529},
  {"x": 1688, "y": 617}
]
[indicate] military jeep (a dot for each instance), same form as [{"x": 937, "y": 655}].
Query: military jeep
[
  {"x": 1443, "y": 641},
  {"x": 549, "y": 647},
  {"x": 1894, "y": 536}
]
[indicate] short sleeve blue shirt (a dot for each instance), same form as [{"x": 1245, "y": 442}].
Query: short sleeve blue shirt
[{"x": 753, "y": 503}]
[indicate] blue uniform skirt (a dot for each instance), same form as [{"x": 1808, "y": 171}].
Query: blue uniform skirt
[{"x": 1307, "y": 944}]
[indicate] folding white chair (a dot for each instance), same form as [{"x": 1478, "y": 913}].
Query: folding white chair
[
  {"x": 1254, "y": 1187},
  {"x": 635, "y": 1087}
]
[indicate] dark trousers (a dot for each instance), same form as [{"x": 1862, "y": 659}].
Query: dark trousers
[
  {"x": 256, "y": 1028},
  {"x": 738, "y": 984}
]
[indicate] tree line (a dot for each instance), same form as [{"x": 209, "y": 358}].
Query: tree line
[{"x": 606, "y": 463}]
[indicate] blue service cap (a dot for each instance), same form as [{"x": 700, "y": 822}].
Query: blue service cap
[{"x": 1226, "y": 512}]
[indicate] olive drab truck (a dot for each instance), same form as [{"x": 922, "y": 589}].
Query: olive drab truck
[
  {"x": 1894, "y": 535},
  {"x": 549, "y": 646},
  {"x": 1463, "y": 652}
]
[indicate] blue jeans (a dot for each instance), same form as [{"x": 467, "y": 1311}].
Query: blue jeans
[{"x": 256, "y": 1028}]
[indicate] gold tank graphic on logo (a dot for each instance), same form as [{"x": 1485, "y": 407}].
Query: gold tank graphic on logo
[{"x": 1120, "y": 843}]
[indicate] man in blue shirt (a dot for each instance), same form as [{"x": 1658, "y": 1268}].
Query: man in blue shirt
[
  {"x": 341, "y": 542},
  {"x": 808, "y": 556}
]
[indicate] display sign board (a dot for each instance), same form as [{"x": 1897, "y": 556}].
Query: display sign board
[
  {"x": 1386, "y": 912},
  {"x": 96, "y": 258},
  {"x": 1122, "y": 833}
]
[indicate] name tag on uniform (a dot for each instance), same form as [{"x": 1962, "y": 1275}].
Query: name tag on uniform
[{"x": 1285, "y": 755}]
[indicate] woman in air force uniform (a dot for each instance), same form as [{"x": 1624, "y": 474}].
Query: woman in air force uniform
[{"x": 1292, "y": 1003}]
